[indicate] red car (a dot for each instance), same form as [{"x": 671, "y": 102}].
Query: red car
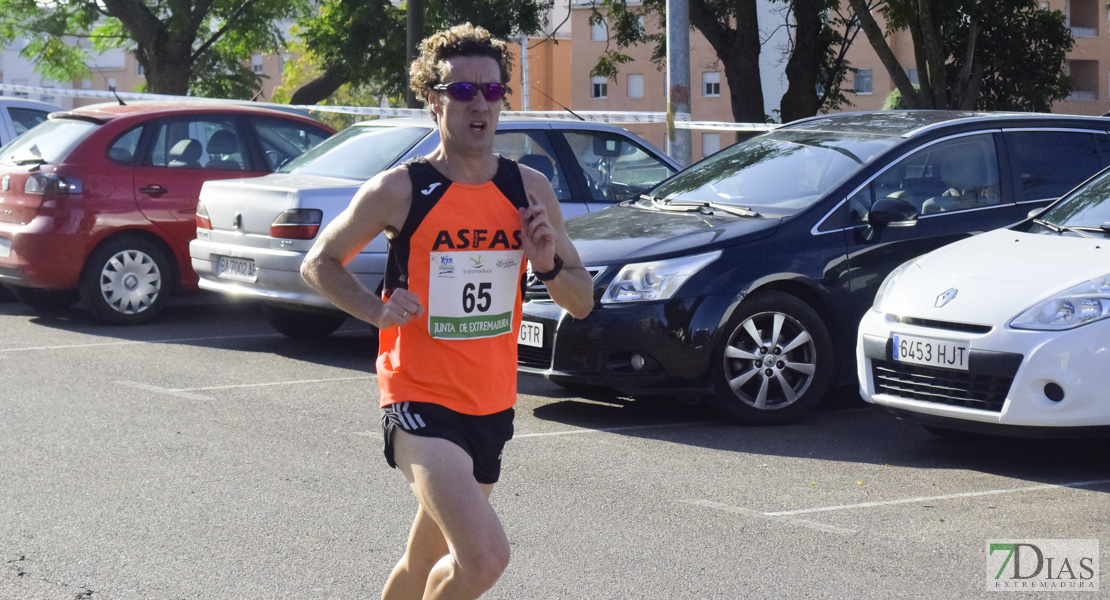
[{"x": 98, "y": 203}]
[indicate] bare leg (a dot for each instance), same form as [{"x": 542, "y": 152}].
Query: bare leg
[{"x": 457, "y": 545}]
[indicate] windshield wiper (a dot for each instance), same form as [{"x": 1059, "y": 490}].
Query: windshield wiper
[
  {"x": 705, "y": 208},
  {"x": 1054, "y": 228}
]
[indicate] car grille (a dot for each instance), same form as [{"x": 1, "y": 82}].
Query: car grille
[
  {"x": 942, "y": 386},
  {"x": 946, "y": 325},
  {"x": 537, "y": 358},
  {"x": 536, "y": 291}
]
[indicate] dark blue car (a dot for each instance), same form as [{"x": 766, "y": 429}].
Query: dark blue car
[{"x": 742, "y": 279}]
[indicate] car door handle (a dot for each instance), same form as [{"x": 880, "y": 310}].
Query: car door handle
[{"x": 153, "y": 190}]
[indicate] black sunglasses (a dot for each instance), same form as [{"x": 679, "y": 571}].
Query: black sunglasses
[{"x": 464, "y": 91}]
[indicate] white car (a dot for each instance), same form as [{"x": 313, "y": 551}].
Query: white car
[
  {"x": 1006, "y": 332},
  {"x": 253, "y": 234},
  {"x": 17, "y": 115}
]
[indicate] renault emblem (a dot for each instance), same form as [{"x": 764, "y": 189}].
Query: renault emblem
[
  {"x": 237, "y": 221},
  {"x": 946, "y": 297},
  {"x": 6, "y": 183}
]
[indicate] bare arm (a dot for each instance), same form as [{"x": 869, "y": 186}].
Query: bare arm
[
  {"x": 381, "y": 204},
  {"x": 544, "y": 235}
]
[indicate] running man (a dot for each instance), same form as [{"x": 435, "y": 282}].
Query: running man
[{"x": 461, "y": 223}]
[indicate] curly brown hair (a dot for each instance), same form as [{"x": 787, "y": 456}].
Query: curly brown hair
[{"x": 429, "y": 69}]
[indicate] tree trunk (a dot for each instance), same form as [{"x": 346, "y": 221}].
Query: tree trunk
[
  {"x": 319, "y": 89},
  {"x": 167, "y": 73},
  {"x": 738, "y": 51},
  {"x": 804, "y": 66},
  {"x": 886, "y": 55}
]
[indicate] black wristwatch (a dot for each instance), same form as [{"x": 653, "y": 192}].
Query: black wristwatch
[{"x": 549, "y": 275}]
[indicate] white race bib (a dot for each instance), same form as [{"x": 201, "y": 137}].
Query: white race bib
[{"x": 472, "y": 294}]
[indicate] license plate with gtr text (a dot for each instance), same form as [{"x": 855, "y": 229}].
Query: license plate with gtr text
[
  {"x": 238, "y": 269},
  {"x": 531, "y": 334},
  {"x": 945, "y": 354}
]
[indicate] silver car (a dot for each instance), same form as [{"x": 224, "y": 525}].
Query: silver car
[{"x": 252, "y": 234}]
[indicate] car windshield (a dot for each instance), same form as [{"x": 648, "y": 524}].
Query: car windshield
[
  {"x": 781, "y": 172},
  {"x": 357, "y": 152},
  {"x": 1088, "y": 207},
  {"x": 47, "y": 142}
]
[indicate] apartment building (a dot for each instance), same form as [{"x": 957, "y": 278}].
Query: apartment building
[
  {"x": 1088, "y": 63},
  {"x": 641, "y": 87}
]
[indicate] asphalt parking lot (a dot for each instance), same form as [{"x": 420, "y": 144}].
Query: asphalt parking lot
[{"x": 204, "y": 456}]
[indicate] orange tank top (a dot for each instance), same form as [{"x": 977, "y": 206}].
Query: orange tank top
[{"x": 459, "y": 250}]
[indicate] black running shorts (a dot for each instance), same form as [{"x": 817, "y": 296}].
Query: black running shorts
[{"x": 482, "y": 437}]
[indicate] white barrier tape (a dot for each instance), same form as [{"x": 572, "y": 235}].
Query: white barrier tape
[{"x": 682, "y": 120}]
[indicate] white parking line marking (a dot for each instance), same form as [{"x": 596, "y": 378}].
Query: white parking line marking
[
  {"x": 755, "y": 513},
  {"x": 133, "y": 342},
  {"x": 1032, "y": 488},
  {"x": 185, "y": 392},
  {"x": 610, "y": 429},
  {"x": 152, "y": 388}
]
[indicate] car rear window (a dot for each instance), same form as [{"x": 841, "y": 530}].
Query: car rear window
[
  {"x": 357, "y": 152},
  {"x": 47, "y": 142},
  {"x": 782, "y": 172}
]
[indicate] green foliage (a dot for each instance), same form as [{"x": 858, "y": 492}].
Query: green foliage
[
  {"x": 365, "y": 39},
  {"x": 206, "y": 43},
  {"x": 1020, "y": 71},
  {"x": 895, "y": 101}
]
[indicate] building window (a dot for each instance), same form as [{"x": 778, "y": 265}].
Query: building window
[
  {"x": 912, "y": 72},
  {"x": 599, "y": 88},
  {"x": 1084, "y": 80},
  {"x": 256, "y": 63},
  {"x": 710, "y": 143},
  {"x": 281, "y": 62},
  {"x": 599, "y": 32},
  {"x": 49, "y": 96},
  {"x": 86, "y": 84},
  {"x": 110, "y": 84},
  {"x": 139, "y": 70},
  {"x": 1083, "y": 18},
  {"x": 862, "y": 81},
  {"x": 20, "y": 94},
  {"x": 636, "y": 86},
  {"x": 711, "y": 84}
]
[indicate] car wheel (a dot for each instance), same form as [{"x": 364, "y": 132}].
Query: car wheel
[
  {"x": 300, "y": 324},
  {"x": 44, "y": 300},
  {"x": 774, "y": 363},
  {"x": 126, "y": 281}
]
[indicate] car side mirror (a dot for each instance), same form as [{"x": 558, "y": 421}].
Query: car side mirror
[{"x": 892, "y": 212}]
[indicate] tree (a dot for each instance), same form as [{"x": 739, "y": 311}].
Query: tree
[
  {"x": 197, "y": 46},
  {"x": 967, "y": 55},
  {"x": 363, "y": 42},
  {"x": 815, "y": 60}
]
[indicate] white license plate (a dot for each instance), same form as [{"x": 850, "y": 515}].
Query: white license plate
[
  {"x": 5, "y": 247},
  {"x": 946, "y": 354},
  {"x": 239, "y": 269},
  {"x": 531, "y": 334}
]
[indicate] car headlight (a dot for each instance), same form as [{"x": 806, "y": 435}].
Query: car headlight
[
  {"x": 1074, "y": 307},
  {"x": 656, "y": 280},
  {"x": 888, "y": 284}
]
